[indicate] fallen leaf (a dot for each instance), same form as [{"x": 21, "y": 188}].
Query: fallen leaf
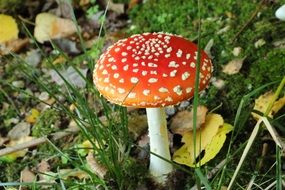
[
  {"x": 20, "y": 130},
  {"x": 49, "y": 26},
  {"x": 13, "y": 46},
  {"x": 33, "y": 116},
  {"x": 9, "y": 30},
  {"x": 71, "y": 75},
  {"x": 61, "y": 59},
  {"x": 263, "y": 101},
  {"x": 27, "y": 176},
  {"x": 95, "y": 166},
  {"x": 233, "y": 66},
  {"x": 212, "y": 149},
  {"x": 182, "y": 122},
  {"x": 210, "y": 137},
  {"x": 116, "y": 7},
  {"x": 21, "y": 153},
  {"x": 50, "y": 177}
]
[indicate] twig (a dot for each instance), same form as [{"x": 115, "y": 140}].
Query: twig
[
  {"x": 249, "y": 20},
  {"x": 37, "y": 141},
  {"x": 41, "y": 140}
]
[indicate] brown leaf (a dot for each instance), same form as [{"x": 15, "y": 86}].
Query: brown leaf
[
  {"x": 13, "y": 46},
  {"x": 183, "y": 121},
  {"x": 27, "y": 176},
  {"x": 95, "y": 166}
]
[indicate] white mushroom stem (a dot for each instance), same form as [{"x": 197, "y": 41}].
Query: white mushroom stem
[{"x": 159, "y": 144}]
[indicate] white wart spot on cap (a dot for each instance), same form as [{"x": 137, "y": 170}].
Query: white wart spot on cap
[
  {"x": 178, "y": 90},
  {"x": 188, "y": 90},
  {"x": 134, "y": 80},
  {"x": 111, "y": 59},
  {"x": 188, "y": 55},
  {"x": 132, "y": 95},
  {"x": 121, "y": 81},
  {"x": 173, "y": 64},
  {"x": 192, "y": 64},
  {"x": 121, "y": 90},
  {"x": 163, "y": 90},
  {"x": 173, "y": 73},
  {"x": 168, "y": 50},
  {"x": 114, "y": 67},
  {"x": 152, "y": 80},
  {"x": 126, "y": 67},
  {"x": 105, "y": 72},
  {"x": 152, "y": 65},
  {"x": 179, "y": 53},
  {"x": 106, "y": 80},
  {"x": 144, "y": 73},
  {"x": 168, "y": 99},
  {"x": 185, "y": 75},
  {"x": 156, "y": 97},
  {"x": 117, "y": 49},
  {"x": 146, "y": 92},
  {"x": 116, "y": 75},
  {"x": 167, "y": 55}
]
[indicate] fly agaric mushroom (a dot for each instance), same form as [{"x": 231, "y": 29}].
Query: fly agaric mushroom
[{"x": 152, "y": 70}]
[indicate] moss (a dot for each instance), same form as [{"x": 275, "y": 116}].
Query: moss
[
  {"x": 44, "y": 123},
  {"x": 10, "y": 6},
  {"x": 269, "y": 68}
]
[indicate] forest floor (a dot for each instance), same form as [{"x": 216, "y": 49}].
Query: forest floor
[{"x": 57, "y": 132}]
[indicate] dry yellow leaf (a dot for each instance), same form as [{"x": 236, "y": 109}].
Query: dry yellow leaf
[
  {"x": 210, "y": 138},
  {"x": 262, "y": 102},
  {"x": 9, "y": 30},
  {"x": 216, "y": 144},
  {"x": 49, "y": 26},
  {"x": 32, "y": 117}
]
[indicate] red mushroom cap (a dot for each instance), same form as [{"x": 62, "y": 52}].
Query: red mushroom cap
[{"x": 150, "y": 70}]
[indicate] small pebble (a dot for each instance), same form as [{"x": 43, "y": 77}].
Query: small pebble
[
  {"x": 218, "y": 83},
  {"x": 183, "y": 105},
  {"x": 18, "y": 84},
  {"x": 236, "y": 51},
  {"x": 170, "y": 110},
  {"x": 33, "y": 58},
  {"x": 259, "y": 43},
  {"x": 44, "y": 96}
]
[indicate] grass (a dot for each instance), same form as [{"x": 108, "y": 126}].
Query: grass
[{"x": 111, "y": 143}]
